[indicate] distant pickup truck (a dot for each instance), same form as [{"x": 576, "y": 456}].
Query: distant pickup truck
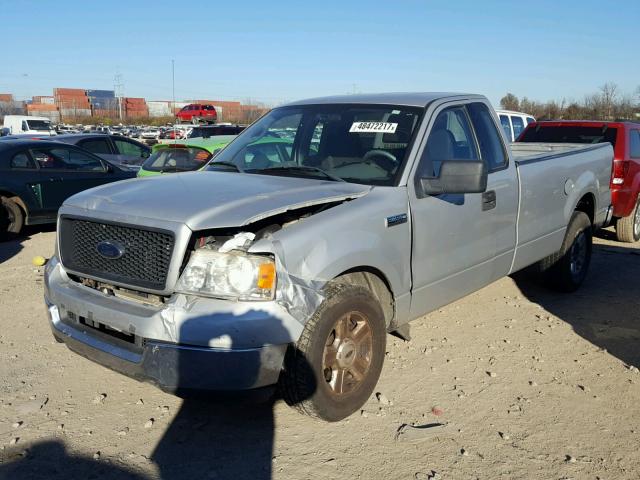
[
  {"x": 288, "y": 262},
  {"x": 625, "y": 179}
]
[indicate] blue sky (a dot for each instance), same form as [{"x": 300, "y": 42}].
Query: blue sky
[{"x": 277, "y": 51}]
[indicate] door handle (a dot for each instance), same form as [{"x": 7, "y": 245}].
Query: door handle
[{"x": 489, "y": 200}]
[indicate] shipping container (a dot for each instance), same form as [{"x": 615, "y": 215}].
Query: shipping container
[
  {"x": 68, "y": 91},
  {"x": 43, "y": 100},
  {"x": 75, "y": 112},
  {"x": 42, "y": 107},
  {"x": 101, "y": 93},
  {"x": 103, "y": 103},
  {"x": 6, "y": 97},
  {"x": 52, "y": 115}
]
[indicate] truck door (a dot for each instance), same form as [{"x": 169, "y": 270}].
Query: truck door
[
  {"x": 455, "y": 237},
  {"x": 65, "y": 171}
]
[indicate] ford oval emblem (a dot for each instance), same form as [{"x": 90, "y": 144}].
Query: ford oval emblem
[{"x": 110, "y": 249}]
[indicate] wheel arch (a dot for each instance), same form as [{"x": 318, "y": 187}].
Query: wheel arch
[
  {"x": 16, "y": 198},
  {"x": 587, "y": 204},
  {"x": 377, "y": 283}
]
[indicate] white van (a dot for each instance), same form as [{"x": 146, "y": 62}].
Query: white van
[
  {"x": 25, "y": 125},
  {"x": 513, "y": 123}
]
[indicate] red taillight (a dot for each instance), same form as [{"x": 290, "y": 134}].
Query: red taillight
[{"x": 620, "y": 170}]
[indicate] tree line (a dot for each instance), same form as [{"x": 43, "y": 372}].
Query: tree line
[{"x": 608, "y": 103}]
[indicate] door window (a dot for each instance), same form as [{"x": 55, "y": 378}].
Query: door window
[
  {"x": 22, "y": 160},
  {"x": 129, "y": 148},
  {"x": 62, "y": 158},
  {"x": 98, "y": 146},
  {"x": 491, "y": 147},
  {"x": 450, "y": 138},
  {"x": 518, "y": 126},
  {"x": 506, "y": 126}
]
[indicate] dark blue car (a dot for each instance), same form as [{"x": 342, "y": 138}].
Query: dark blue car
[{"x": 36, "y": 176}]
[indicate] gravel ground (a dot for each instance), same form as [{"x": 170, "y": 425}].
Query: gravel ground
[{"x": 510, "y": 382}]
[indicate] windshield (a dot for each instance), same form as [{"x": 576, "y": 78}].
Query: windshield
[
  {"x": 176, "y": 159},
  {"x": 39, "y": 125},
  {"x": 569, "y": 134},
  {"x": 356, "y": 143}
]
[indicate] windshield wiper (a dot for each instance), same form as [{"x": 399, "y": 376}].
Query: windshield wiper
[
  {"x": 303, "y": 168},
  {"x": 227, "y": 164}
]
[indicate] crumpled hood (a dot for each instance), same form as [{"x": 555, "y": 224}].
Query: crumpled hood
[{"x": 203, "y": 200}]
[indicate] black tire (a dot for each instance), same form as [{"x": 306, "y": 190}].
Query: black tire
[
  {"x": 14, "y": 216},
  {"x": 303, "y": 382},
  {"x": 566, "y": 270},
  {"x": 628, "y": 228}
]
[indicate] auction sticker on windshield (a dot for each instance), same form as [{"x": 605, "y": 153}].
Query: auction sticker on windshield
[{"x": 373, "y": 127}]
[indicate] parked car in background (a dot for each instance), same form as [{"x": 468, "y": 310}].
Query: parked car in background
[
  {"x": 26, "y": 125},
  {"x": 150, "y": 133},
  {"x": 182, "y": 157},
  {"x": 114, "y": 148},
  {"x": 291, "y": 266},
  {"x": 196, "y": 113},
  {"x": 36, "y": 176},
  {"x": 513, "y": 123},
  {"x": 625, "y": 178},
  {"x": 206, "y": 131}
]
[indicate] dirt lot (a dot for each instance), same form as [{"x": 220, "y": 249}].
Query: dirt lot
[{"x": 528, "y": 384}]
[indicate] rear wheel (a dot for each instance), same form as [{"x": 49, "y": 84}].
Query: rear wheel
[
  {"x": 334, "y": 367},
  {"x": 628, "y": 228},
  {"x": 12, "y": 217},
  {"x": 566, "y": 270}
]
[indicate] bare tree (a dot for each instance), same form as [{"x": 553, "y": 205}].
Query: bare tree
[{"x": 510, "y": 102}]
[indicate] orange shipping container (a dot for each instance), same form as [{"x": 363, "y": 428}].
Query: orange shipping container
[
  {"x": 68, "y": 91},
  {"x": 6, "y": 97},
  {"x": 41, "y": 107}
]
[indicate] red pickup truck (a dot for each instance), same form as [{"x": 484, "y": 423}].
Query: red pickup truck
[
  {"x": 196, "y": 113},
  {"x": 625, "y": 176}
]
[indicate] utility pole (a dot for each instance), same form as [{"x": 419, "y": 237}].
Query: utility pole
[
  {"x": 173, "y": 87},
  {"x": 118, "y": 86}
]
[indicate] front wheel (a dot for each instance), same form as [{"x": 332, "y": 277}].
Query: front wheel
[
  {"x": 335, "y": 365},
  {"x": 566, "y": 270},
  {"x": 628, "y": 228}
]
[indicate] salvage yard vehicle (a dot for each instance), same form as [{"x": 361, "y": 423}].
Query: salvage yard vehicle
[
  {"x": 196, "y": 113},
  {"x": 513, "y": 123},
  {"x": 27, "y": 125},
  {"x": 115, "y": 148},
  {"x": 186, "y": 156},
  {"x": 206, "y": 131},
  {"x": 289, "y": 266},
  {"x": 625, "y": 179},
  {"x": 36, "y": 176}
]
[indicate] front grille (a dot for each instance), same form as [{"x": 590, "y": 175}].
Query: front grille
[{"x": 144, "y": 263}]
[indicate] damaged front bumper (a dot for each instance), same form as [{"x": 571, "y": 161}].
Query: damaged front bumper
[{"x": 189, "y": 343}]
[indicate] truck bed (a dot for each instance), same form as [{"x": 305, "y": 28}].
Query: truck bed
[
  {"x": 523, "y": 152},
  {"x": 552, "y": 178}
]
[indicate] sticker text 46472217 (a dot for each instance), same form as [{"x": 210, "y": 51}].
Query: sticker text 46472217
[{"x": 373, "y": 127}]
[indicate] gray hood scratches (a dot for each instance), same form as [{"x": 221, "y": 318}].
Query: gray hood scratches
[{"x": 206, "y": 200}]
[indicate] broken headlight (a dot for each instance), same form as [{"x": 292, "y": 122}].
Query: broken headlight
[{"x": 233, "y": 275}]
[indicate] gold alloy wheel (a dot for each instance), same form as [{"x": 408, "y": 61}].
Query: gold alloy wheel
[{"x": 347, "y": 353}]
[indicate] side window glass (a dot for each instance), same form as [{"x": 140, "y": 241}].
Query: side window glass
[
  {"x": 491, "y": 147},
  {"x": 450, "y": 138},
  {"x": 506, "y": 126},
  {"x": 96, "y": 146},
  {"x": 635, "y": 144},
  {"x": 21, "y": 160},
  {"x": 530, "y": 120},
  {"x": 518, "y": 126},
  {"x": 67, "y": 159},
  {"x": 128, "y": 148}
]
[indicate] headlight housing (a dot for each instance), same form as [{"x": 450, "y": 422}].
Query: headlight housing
[{"x": 233, "y": 275}]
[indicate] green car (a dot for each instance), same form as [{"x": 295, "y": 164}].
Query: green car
[{"x": 186, "y": 156}]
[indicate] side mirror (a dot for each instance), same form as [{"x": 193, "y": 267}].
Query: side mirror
[
  {"x": 456, "y": 176},
  {"x": 108, "y": 167}
]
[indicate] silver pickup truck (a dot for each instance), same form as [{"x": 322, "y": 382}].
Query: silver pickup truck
[{"x": 322, "y": 227}]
